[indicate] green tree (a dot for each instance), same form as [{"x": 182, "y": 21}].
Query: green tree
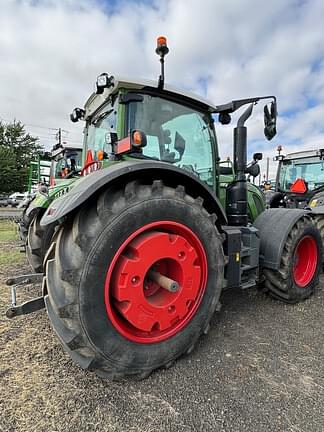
[{"x": 17, "y": 150}]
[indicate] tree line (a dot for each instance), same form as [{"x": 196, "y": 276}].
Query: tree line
[{"x": 17, "y": 149}]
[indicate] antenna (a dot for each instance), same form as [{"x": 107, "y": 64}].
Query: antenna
[{"x": 162, "y": 50}]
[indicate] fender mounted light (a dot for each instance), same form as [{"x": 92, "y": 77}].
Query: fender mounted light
[
  {"x": 138, "y": 139},
  {"x": 100, "y": 155},
  {"x": 134, "y": 142}
]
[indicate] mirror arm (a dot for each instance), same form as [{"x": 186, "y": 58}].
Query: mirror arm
[{"x": 236, "y": 104}]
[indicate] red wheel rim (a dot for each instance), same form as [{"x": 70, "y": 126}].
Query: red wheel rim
[
  {"x": 139, "y": 308},
  {"x": 305, "y": 261}
]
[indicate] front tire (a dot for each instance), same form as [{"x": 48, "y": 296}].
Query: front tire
[
  {"x": 108, "y": 313},
  {"x": 300, "y": 265}
]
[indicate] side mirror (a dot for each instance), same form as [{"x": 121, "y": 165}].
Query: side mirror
[
  {"x": 253, "y": 170},
  {"x": 77, "y": 114},
  {"x": 270, "y": 120},
  {"x": 257, "y": 156}
]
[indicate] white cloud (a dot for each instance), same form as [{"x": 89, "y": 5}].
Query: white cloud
[{"x": 52, "y": 51}]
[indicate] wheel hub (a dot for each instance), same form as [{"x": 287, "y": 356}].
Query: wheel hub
[
  {"x": 305, "y": 261},
  {"x": 141, "y": 308}
]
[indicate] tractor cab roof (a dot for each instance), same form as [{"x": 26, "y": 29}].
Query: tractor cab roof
[
  {"x": 305, "y": 154},
  {"x": 60, "y": 148},
  {"x": 95, "y": 101}
]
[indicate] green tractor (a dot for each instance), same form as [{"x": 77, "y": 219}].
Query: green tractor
[
  {"x": 300, "y": 183},
  {"x": 65, "y": 167},
  {"x": 300, "y": 179},
  {"x": 66, "y": 163},
  {"x": 146, "y": 243}
]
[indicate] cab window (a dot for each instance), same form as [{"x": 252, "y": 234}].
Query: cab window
[
  {"x": 98, "y": 128},
  {"x": 176, "y": 134}
]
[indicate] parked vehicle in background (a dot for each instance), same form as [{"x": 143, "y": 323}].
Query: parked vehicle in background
[
  {"x": 300, "y": 179},
  {"x": 17, "y": 198},
  {"x": 3, "y": 200},
  {"x": 39, "y": 171},
  {"x": 66, "y": 163}
]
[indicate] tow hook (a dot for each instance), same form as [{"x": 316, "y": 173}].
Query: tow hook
[{"x": 29, "y": 306}]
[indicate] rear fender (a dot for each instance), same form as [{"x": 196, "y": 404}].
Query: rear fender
[
  {"x": 274, "y": 226},
  {"x": 38, "y": 203},
  {"x": 318, "y": 211},
  {"x": 123, "y": 172}
]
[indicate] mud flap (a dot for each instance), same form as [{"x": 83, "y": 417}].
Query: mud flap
[{"x": 274, "y": 226}]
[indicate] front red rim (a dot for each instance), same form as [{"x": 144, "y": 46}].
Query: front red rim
[
  {"x": 305, "y": 261},
  {"x": 140, "y": 309}
]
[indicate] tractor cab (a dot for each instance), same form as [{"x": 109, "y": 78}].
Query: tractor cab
[
  {"x": 140, "y": 120},
  {"x": 66, "y": 162},
  {"x": 300, "y": 179},
  {"x": 175, "y": 127}
]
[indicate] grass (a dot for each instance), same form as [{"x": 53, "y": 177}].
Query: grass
[
  {"x": 8, "y": 231},
  {"x": 11, "y": 257}
]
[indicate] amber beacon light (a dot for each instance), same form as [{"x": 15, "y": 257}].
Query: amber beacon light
[{"x": 162, "y": 50}]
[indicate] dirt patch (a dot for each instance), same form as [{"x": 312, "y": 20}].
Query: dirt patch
[{"x": 260, "y": 368}]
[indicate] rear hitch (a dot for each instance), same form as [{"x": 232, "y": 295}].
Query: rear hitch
[{"x": 28, "y": 306}]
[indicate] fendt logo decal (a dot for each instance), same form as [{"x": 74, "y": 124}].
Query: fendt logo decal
[{"x": 61, "y": 192}]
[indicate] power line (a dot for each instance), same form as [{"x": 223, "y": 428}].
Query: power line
[{"x": 37, "y": 126}]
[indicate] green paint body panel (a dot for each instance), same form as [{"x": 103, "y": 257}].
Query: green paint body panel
[{"x": 42, "y": 202}]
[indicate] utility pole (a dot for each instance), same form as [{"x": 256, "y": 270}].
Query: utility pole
[
  {"x": 267, "y": 175},
  {"x": 59, "y": 136}
]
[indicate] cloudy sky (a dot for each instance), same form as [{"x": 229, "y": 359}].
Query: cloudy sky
[{"x": 52, "y": 51}]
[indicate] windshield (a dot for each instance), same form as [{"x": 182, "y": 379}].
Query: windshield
[
  {"x": 70, "y": 161},
  {"x": 96, "y": 133},
  {"x": 310, "y": 169},
  {"x": 175, "y": 134}
]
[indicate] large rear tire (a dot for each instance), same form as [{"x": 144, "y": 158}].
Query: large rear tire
[
  {"x": 110, "y": 316},
  {"x": 300, "y": 264},
  {"x": 37, "y": 242}
]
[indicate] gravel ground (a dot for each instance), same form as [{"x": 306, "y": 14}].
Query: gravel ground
[{"x": 260, "y": 368}]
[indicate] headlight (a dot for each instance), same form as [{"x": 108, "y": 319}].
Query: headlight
[{"x": 104, "y": 81}]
